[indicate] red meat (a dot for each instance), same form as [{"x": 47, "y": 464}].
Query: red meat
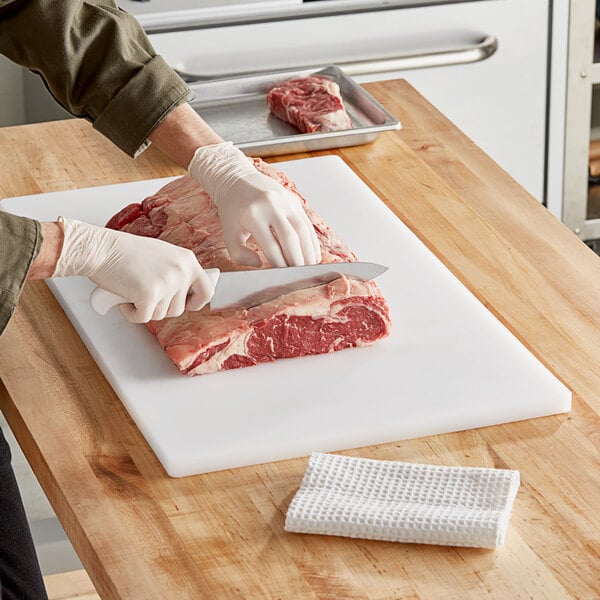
[
  {"x": 342, "y": 314},
  {"x": 310, "y": 104}
]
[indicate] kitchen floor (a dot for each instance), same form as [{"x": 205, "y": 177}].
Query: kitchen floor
[{"x": 75, "y": 585}]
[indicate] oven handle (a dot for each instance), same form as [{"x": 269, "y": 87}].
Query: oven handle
[{"x": 443, "y": 58}]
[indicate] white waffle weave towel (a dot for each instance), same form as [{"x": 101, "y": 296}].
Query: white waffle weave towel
[{"x": 403, "y": 502}]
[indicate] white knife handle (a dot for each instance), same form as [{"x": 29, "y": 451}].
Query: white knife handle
[
  {"x": 213, "y": 275},
  {"x": 102, "y": 300}
]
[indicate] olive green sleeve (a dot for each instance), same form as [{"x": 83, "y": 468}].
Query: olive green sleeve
[
  {"x": 96, "y": 61},
  {"x": 20, "y": 241}
]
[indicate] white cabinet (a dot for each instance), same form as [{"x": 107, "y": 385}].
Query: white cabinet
[{"x": 500, "y": 102}]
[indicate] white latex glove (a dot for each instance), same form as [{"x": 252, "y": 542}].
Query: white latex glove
[
  {"x": 155, "y": 276},
  {"x": 251, "y": 203}
]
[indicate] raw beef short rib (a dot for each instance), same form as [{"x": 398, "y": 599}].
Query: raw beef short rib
[
  {"x": 342, "y": 314},
  {"x": 310, "y": 103}
]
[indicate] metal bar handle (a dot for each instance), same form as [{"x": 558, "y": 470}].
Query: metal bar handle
[{"x": 442, "y": 58}]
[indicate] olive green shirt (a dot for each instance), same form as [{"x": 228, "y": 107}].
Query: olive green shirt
[{"x": 97, "y": 62}]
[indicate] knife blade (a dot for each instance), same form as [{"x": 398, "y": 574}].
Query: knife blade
[{"x": 245, "y": 289}]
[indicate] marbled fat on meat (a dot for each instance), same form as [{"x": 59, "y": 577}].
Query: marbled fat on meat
[
  {"x": 310, "y": 103},
  {"x": 342, "y": 314}
]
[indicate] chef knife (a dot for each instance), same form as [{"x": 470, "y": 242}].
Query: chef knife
[{"x": 244, "y": 289}]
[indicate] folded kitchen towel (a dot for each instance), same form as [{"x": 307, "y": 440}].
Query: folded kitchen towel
[{"x": 403, "y": 502}]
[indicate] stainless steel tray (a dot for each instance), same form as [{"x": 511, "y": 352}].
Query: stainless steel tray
[{"x": 236, "y": 108}]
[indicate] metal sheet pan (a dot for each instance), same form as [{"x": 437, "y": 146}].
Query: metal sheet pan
[{"x": 236, "y": 108}]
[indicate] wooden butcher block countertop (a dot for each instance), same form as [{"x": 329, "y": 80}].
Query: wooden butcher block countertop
[{"x": 142, "y": 535}]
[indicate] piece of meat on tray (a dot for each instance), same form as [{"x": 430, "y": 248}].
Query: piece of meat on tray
[
  {"x": 342, "y": 314},
  {"x": 309, "y": 103}
]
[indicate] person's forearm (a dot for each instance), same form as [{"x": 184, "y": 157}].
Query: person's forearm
[
  {"x": 181, "y": 133},
  {"x": 45, "y": 263}
]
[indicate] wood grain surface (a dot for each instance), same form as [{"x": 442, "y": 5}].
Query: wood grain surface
[{"x": 142, "y": 535}]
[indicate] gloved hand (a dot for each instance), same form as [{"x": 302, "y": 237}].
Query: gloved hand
[
  {"x": 251, "y": 203},
  {"x": 155, "y": 276}
]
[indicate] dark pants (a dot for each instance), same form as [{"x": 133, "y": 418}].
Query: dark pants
[{"x": 20, "y": 575}]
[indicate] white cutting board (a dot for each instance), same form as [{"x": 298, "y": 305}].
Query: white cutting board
[{"x": 449, "y": 364}]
